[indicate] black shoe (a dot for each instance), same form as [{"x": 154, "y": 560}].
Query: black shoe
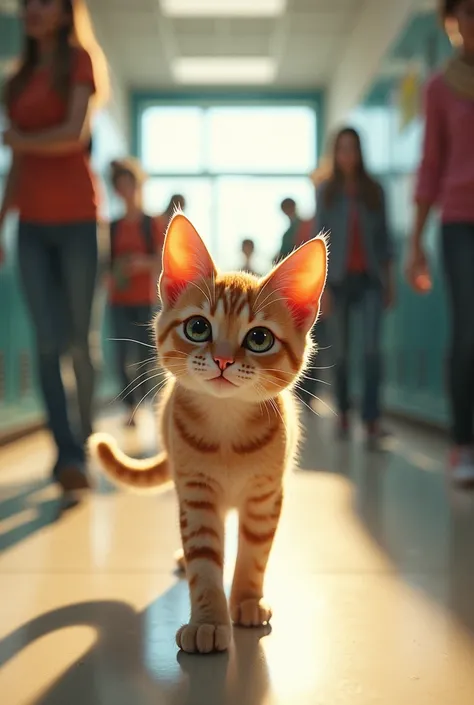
[{"x": 72, "y": 477}]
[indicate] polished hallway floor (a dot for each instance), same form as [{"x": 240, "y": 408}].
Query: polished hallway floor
[{"x": 371, "y": 581}]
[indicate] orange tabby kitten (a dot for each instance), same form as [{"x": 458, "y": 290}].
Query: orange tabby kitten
[{"x": 233, "y": 345}]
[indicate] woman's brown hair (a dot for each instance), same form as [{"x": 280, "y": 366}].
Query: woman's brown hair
[
  {"x": 447, "y": 8},
  {"x": 127, "y": 167},
  {"x": 368, "y": 189},
  {"x": 77, "y": 33}
]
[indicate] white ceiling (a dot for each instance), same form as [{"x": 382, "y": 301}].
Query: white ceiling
[{"x": 306, "y": 41}]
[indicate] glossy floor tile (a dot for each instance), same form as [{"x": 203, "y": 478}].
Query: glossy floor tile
[{"x": 371, "y": 580}]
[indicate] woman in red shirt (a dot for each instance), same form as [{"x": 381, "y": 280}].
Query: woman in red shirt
[
  {"x": 61, "y": 76},
  {"x": 446, "y": 178},
  {"x": 351, "y": 209},
  {"x": 136, "y": 241}
]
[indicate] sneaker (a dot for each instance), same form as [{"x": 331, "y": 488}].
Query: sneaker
[
  {"x": 461, "y": 466},
  {"x": 72, "y": 478}
]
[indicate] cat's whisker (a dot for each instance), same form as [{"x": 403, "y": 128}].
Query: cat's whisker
[
  {"x": 278, "y": 411},
  {"x": 261, "y": 403},
  {"x": 317, "y": 380},
  {"x": 291, "y": 375},
  {"x": 308, "y": 406},
  {"x": 147, "y": 379},
  {"x": 134, "y": 381},
  {"x": 204, "y": 281},
  {"x": 202, "y": 292},
  {"x": 311, "y": 367},
  {"x": 130, "y": 340},
  {"x": 271, "y": 400},
  {"x": 264, "y": 401},
  {"x": 156, "y": 388},
  {"x": 138, "y": 365},
  {"x": 269, "y": 303},
  {"x": 261, "y": 292},
  {"x": 329, "y": 408}
]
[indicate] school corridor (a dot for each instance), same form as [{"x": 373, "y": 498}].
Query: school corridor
[{"x": 228, "y": 108}]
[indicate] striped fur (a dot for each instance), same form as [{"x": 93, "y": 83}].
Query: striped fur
[{"x": 228, "y": 443}]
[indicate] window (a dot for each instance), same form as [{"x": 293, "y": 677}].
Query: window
[
  {"x": 249, "y": 207},
  {"x": 172, "y": 140},
  {"x": 267, "y": 140},
  {"x": 234, "y": 164}
]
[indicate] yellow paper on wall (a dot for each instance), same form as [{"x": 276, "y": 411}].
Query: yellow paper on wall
[{"x": 409, "y": 98}]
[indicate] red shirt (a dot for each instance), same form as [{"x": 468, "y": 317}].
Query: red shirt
[
  {"x": 139, "y": 288},
  {"x": 53, "y": 188},
  {"x": 305, "y": 232},
  {"x": 356, "y": 260},
  {"x": 446, "y": 173}
]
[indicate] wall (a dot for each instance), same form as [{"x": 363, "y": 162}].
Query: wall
[
  {"x": 377, "y": 25},
  {"x": 416, "y": 331}
]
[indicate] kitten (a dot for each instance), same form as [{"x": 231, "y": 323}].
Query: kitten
[{"x": 233, "y": 345}]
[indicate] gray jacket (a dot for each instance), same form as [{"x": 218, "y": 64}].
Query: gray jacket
[{"x": 374, "y": 229}]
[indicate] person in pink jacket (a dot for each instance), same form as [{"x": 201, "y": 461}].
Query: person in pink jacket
[{"x": 446, "y": 179}]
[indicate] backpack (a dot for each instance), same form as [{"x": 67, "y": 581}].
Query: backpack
[{"x": 147, "y": 232}]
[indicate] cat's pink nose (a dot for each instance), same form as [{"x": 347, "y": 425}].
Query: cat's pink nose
[{"x": 223, "y": 361}]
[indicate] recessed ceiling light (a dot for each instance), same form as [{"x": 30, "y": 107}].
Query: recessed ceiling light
[
  {"x": 223, "y": 8},
  {"x": 223, "y": 71}
]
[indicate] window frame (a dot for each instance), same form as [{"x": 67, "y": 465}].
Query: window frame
[{"x": 142, "y": 101}]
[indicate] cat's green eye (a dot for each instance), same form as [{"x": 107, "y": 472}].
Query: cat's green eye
[
  {"x": 198, "y": 329},
  {"x": 259, "y": 340}
]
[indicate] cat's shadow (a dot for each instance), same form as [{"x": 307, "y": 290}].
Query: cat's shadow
[
  {"x": 239, "y": 677},
  {"x": 134, "y": 657}
]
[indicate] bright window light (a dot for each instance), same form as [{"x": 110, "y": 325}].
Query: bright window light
[
  {"x": 223, "y": 8},
  {"x": 224, "y": 70}
]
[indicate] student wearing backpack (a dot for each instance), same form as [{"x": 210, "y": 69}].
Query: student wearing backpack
[{"x": 136, "y": 242}]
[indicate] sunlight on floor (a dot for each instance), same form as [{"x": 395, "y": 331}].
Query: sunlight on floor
[{"x": 371, "y": 582}]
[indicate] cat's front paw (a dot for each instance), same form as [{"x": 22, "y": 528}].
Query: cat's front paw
[
  {"x": 253, "y": 612},
  {"x": 204, "y": 638}
]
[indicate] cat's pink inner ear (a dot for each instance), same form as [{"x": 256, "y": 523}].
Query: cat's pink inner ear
[
  {"x": 185, "y": 259},
  {"x": 301, "y": 278}
]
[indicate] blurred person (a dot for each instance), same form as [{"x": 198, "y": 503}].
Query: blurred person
[
  {"x": 176, "y": 203},
  {"x": 299, "y": 231},
  {"x": 60, "y": 79},
  {"x": 446, "y": 179},
  {"x": 351, "y": 208},
  {"x": 136, "y": 242},
  {"x": 248, "y": 253}
]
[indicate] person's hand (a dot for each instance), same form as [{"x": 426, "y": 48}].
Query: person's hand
[{"x": 417, "y": 271}]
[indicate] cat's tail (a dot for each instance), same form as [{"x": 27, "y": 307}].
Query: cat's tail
[{"x": 140, "y": 475}]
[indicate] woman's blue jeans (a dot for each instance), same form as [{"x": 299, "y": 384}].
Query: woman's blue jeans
[{"x": 58, "y": 268}]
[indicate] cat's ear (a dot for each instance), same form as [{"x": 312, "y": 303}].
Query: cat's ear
[
  {"x": 185, "y": 259},
  {"x": 300, "y": 279}
]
